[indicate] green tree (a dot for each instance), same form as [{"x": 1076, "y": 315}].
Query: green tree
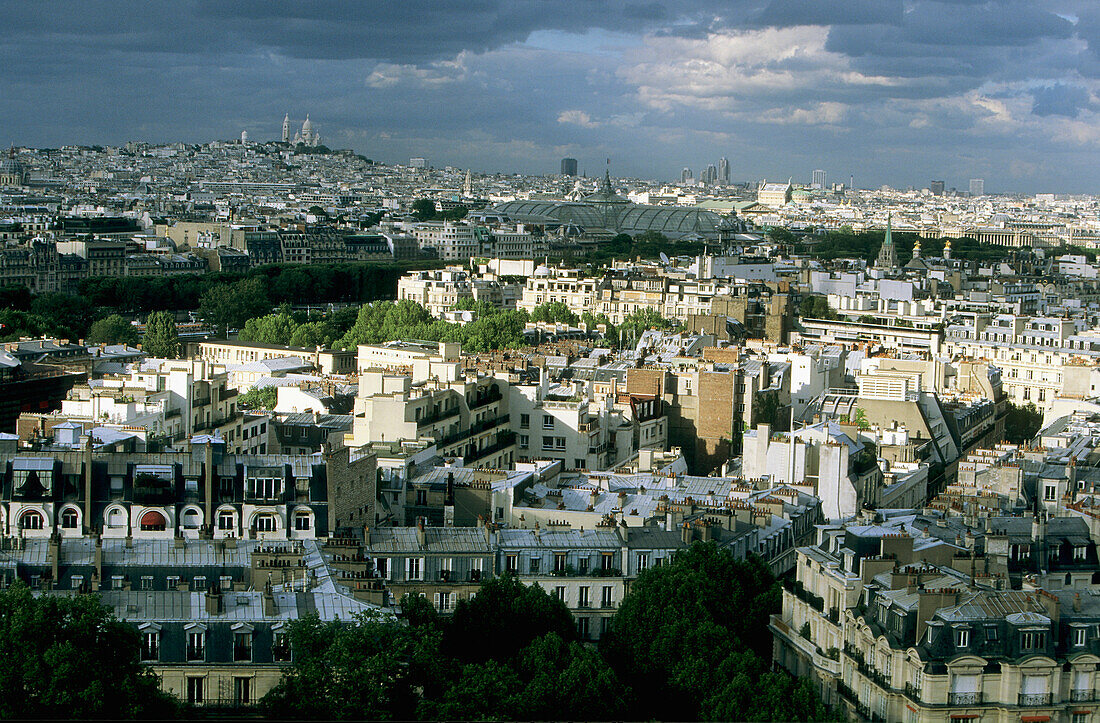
[
  {"x": 112, "y": 329},
  {"x": 345, "y": 671},
  {"x": 424, "y": 209},
  {"x": 1022, "y": 423},
  {"x": 312, "y": 334},
  {"x": 816, "y": 307},
  {"x": 161, "y": 339},
  {"x": 270, "y": 329},
  {"x": 70, "y": 658},
  {"x": 687, "y": 627},
  {"x": 556, "y": 312},
  {"x": 511, "y": 615},
  {"x": 232, "y": 305},
  {"x": 258, "y": 398}
]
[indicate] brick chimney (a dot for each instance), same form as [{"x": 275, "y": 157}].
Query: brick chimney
[{"x": 215, "y": 601}]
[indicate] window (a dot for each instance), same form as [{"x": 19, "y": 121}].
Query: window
[
  {"x": 422, "y": 497},
  {"x": 1079, "y": 552},
  {"x": 382, "y": 565},
  {"x": 32, "y": 521},
  {"x": 559, "y": 442},
  {"x": 280, "y": 647},
  {"x": 991, "y": 633},
  {"x": 1049, "y": 493},
  {"x": 76, "y": 582},
  {"x": 962, "y": 637},
  {"x": 303, "y": 520},
  {"x": 511, "y": 563},
  {"x": 606, "y": 561},
  {"x": 534, "y": 564},
  {"x": 242, "y": 647},
  {"x": 1033, "y": 640},
  {"x": 196, "y": 645},
  {"x": 150, "y": 645},
  {"x": 264, "y": 522},
  {"x": 264, "y": 488},
  {"x": 547, "y": 421},
  {"x": 524, "y": 421},
  {"x": 1080, "y": 636},
  {"x": 607, "y": 599},
  {"x": 444, "y": 601},
  {"x": 242, "y": 691},
  {"x": 582, "y": 628},
  {"x": 173, "y": 582},
  {"x": 559, "y": 592},
  {"x": 199, "y": 583},
  {"x": 146, "y": 582},
  {"x": 226, "y": 520},
  {"x": 547, "y": 442},
  {"x": 579, "y": 463},
  {"x": 583, "y": 596},
  {"x": 559, "y": 562},
  {"x": 643, "y": 561},
  {"x": 524, "y": 441},
  {"x": 414, "y": 568},
  {"x": 582, "y": 565},
  {"x": 194, "y": 690},
  {"x": 70, "y": 520}
]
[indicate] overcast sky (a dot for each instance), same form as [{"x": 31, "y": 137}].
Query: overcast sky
[{"x": 892, "y": 91}]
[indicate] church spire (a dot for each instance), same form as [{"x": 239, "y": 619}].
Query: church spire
[{"x": 887, "y": 254}]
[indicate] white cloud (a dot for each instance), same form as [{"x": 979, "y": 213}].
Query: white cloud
[
  {"x": 434, "y": 75},
  {"x": 577, "y": 118},
  {"x": 729, "y": 67}
]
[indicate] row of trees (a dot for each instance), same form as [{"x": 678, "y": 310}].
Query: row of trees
[
  {"x": 689, "y": 642},
  {"x": 846, "y": 243},
  {"x": 225, "y": 299}
]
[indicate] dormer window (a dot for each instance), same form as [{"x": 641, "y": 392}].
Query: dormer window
[
  {"x": 962, "y": 637},
  {"x": 1080, "y": 635},
  {"x": 1033, "y": 640}
]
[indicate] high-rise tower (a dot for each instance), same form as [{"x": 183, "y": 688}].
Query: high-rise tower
[{"x": 286, "y": 128}]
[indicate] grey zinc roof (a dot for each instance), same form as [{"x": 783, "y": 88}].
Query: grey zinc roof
[
  {"x": 559, "y": 539},
  {"x": 437, "y": 539},
  {"x": 144, "y": 553}
]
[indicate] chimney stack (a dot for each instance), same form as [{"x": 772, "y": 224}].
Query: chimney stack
[
  {"x": 215, "y": 601},
  {"x": 269, "y": 607},
  {"x": 421, "y": 534}
]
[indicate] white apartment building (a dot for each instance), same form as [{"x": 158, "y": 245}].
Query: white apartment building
[
  {"x": 1031, "y": 351},
  {"x": 452, "y": 241},
  {"x": 439, "y": 290}
]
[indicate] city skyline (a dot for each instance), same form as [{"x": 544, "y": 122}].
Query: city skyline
[{"x": 896, "y": 94}]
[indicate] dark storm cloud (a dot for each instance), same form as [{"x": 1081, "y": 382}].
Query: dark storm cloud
[
  {"x": 465, "y": 82},
  {"x": 830, "y": 12},
  {"x": 1059, "y": 99}
]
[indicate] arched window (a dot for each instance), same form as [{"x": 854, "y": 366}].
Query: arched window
[
  {"x": 265, "y": 522},
  {"x": 116, "y": 519},
  {"x": 227, "y": 520},
  {"x": 191, "y": 519},
  {"x": 303, "y": 520},
  {"x": 32, "y": 520},
  {"x": 152, "y": 521},
  {"x": 70, "y": 520}
]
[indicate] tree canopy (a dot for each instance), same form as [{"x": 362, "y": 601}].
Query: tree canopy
[
  {"x": 556, "y": 312},
  {"x": 112, "y": 329},
  {"x": 68, "y": 657},
  {"x": 692, "y": 640},
  {"x": 161, "y": 338},
  {"x": 405, "y": 319},
  {"x": 1022, "y": 423}
]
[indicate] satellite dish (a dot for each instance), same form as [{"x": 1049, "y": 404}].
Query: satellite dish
[{"x": 664, "y": 259}]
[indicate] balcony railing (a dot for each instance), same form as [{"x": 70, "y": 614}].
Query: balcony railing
[
  {"x": 437, "y": 416},
  {"x": 1034, "y": 698},
  {"x": 965, "y": 698},
  {"x": 1081, "y": 696},
  {"x": 492, "y": 396},
  {"x": 504, "y": 441}
]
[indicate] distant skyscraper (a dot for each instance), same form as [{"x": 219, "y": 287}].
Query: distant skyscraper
[
  {"x": 686, "y": 177},
  {"x": 977, "y": 186},
  {"x": 286, "y": 128},
  {"x": 712, "y": 174},
  {"x": 936, "y": 187},
  {"x": 723, "y": 170},
  {"x": 569, "y": 166},
  {"x": 818, "y": 179},
  {"x": 418, "y": 162}
]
